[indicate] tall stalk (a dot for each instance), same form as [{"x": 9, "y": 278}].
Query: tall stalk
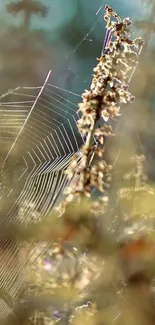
[{"x": 109, "y": 89}]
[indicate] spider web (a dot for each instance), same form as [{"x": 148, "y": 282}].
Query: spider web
[
  {"x": 42, "y": 137},
  {"x": 38, "y": 137},
  {"x": 47, "y": 139}
]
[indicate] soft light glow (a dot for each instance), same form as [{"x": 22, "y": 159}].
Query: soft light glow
[{"x": 47, "y": 265}]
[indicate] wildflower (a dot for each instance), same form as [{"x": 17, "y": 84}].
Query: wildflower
[{"x": 109, "y": 89}]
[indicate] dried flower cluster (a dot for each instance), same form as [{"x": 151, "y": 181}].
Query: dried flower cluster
[{"x": 109, "y": 88}]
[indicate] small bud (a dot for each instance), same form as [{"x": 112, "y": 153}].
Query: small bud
[
  {"x": 125, "y": 87},
  {"x": 132, "y": 99},
  {"x": 127, "y": 21}
]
